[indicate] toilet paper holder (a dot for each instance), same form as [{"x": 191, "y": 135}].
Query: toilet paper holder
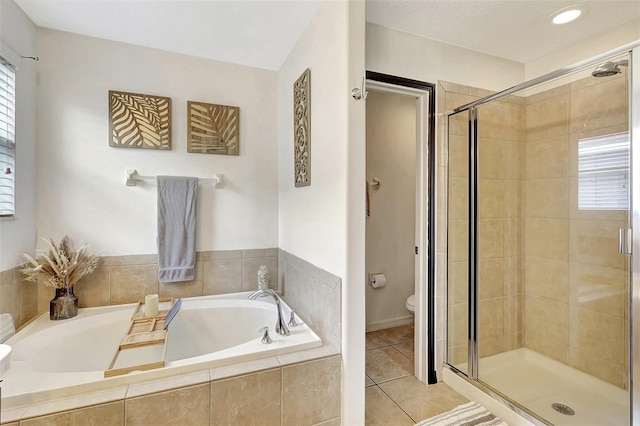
[{"x": 377, "y": 280}]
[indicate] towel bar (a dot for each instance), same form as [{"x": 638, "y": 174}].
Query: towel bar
[{"x": 132, "y": 177}]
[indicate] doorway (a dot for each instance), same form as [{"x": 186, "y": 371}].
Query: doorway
[{"x": 400, "y": 219}]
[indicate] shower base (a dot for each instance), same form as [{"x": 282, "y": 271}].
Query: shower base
[{"x": 536, "y": 382}]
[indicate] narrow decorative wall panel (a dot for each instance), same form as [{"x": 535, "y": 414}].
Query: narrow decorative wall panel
[
  {"x": 139, "y": 121},
  {"x": 302, "y": 129},
  {"x": 213, "y": 129}
]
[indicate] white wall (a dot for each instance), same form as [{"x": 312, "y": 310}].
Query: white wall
[
  {"x": 18, "y": 34},
  {"x": 81, "y": 189},
  {"x": 407, "y": 55},
  {"x": 312, "y": 218},
  {"x": 592, "y": 46},
  {"x": 391, "y": 157}
]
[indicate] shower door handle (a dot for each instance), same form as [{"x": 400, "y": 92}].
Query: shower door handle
[{"x": 625, "y": 241}]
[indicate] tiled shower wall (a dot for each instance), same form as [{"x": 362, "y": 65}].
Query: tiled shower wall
[
  {"x": 556, "y": 268},
  {"x": 576, "y": 281},
  {"x": 500, "y": 220}
]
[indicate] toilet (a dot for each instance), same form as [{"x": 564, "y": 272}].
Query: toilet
[{"x": 411, "y": 303}]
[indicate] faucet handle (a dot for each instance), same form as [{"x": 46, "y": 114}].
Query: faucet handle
[
  {"x": 265, "y": 338},
  {"x": 292, "y": 321}
]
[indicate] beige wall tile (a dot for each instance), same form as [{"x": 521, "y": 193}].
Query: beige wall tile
[
  {"x": 220, "y": 254},
  {"x": 184, "y": 289},
  {"x": 492, "y": 158},
  {"x": 185, "y": 406},
  {"x": 491, "y": 318},
  {"x": 547, "y": 278},
  {"x": 455, "y": 99},
  {"x": 547, "y": 238},
  {"x": 458, "y": 240},
  {"x": 103, "y": 414},
  {"x": 132, "y": 283},
  {"x": 514, "y": 275},
  {"x": 548, "y": 118},
  {"x": 333, "y": 422},
  {"x": 596, "y": 242},
  {"x": 131, "y": 259},
  {"x": 458, "y": 324},
  {"x": 491, "y": 120},
  {"x": 513, "y": 321},
  {"x": 490, "y": 199},
  {"x": 458, "y": 283},
  {"x": 7, "y": 277},
  {"x": 458, "y": 155},
  {"x": 491, "y": 238},
  {"x": 514, "y": 160},
  {"x": 491, "y": 274},
  {"x": 268, "y": 252},
  {"x": 598, "y": 288},
  {"x": 513, "y": 237},
  {"x": 311, "y": 391},
  {"x": 596, "y": 334},
  {"x": 491, "y": 346},
  {"x": 547, "y": 198},
  {"x": 600, "y": 105},
  {"x": 94, "y": 289},
  {"x": 11, "y": 300},
  {"x": 458, "y": 199},
  {"x": 248, "y": 400},
  {"x": 221, "y": 276},
  {"x": 547, "y": 158},
  {"x": 29, "y": 299},
  {"x": 546, "y": 327},
  {"x": 604, "y": 370},
  {"x": 514, "y": 121},
  {"x": 250, "y": 268},
  {"x": 513, "y": 198},
  {"x": 548, "y": 94}
]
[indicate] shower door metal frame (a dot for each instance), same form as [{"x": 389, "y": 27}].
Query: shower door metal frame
[
  {"x": 633, "y": 50},
  {"x": 634, "y": 128}
]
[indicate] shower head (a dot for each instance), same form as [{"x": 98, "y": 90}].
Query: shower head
[{"x": 609, "y": 68}]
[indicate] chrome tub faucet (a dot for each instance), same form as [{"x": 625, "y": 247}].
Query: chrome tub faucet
[{"x": 281, "y": 326}]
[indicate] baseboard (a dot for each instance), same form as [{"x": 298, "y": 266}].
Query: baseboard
[{"x": 392, "y": 322}]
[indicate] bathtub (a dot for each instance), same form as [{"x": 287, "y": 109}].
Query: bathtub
[{"x": 51, "y": 359}]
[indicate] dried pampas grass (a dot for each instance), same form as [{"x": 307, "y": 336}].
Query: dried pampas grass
[{"x": 62, "y": 266}]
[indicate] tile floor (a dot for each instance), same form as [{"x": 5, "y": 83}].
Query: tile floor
[{"x": 393, "y": 395}]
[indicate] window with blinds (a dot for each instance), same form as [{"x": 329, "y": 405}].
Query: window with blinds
[
  {"x": 603, "y": 172},
  {"x": 7, "y": 138}
]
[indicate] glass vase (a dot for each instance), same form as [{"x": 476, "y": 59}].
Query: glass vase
[{"x": 64, "y": 305}]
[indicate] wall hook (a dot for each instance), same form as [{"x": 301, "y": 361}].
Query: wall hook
[
  {"x": 360, "y": 93},
  {"x": 35, "y": 58}
]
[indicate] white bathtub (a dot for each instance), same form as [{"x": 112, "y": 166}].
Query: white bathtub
[{"x": 58, "y": 358}]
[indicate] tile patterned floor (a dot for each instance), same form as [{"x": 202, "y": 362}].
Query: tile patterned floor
[{"x": 393, "y": 396}]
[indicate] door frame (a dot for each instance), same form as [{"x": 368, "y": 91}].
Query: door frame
[{"x": 424, "y": 336}]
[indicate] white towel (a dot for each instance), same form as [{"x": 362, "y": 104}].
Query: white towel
[{"x": 176, "y": 228}]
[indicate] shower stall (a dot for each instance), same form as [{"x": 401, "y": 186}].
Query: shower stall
[{"x": 543, "y": 190}]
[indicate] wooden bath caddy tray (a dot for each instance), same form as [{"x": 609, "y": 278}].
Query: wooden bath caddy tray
[{"x": 145, "y": 344}]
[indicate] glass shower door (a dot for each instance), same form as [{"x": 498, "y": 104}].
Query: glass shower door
[
  {"x": 553, "y": 300},
  {"x": 458, "y": 242}
]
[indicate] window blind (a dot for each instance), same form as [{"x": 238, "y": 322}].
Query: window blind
[
  {"x": 7, "y": 138},
  {"x": 603, "y": 172}
]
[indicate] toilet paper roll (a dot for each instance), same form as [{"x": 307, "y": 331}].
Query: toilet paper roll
[
  {"x": 151, "y": 305},
  {"x": 378, "y": 280}
]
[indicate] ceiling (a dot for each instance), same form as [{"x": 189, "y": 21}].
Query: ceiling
[
  {"x": 519, "y": 30},
  {"x": 261, "y": 33}
]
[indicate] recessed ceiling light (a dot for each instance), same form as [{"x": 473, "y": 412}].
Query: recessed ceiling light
[{"x": 568, "y": 14}]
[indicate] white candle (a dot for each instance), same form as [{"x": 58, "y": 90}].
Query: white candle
[{"x": 151, "y": 305}]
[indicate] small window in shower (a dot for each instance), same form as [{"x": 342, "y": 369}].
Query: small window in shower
[
  {"x": 7, "y": 138},
  {"x": 603, "y": 172}
]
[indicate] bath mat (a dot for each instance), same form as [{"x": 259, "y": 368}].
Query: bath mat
[{"x": 469, "y": 414}]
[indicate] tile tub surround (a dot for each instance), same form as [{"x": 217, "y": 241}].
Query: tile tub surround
[
  {"x": 18, "y": 297},
  {"x": 293, "y": 389},
  {"x": 127, "y": 279},
  {"x": 314, "y": 293}
]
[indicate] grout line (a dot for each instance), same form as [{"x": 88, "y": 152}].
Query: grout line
[{"x": 399, "y": 406}]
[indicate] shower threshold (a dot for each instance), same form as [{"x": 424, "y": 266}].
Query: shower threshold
[{"x": 537, "y": 382}]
